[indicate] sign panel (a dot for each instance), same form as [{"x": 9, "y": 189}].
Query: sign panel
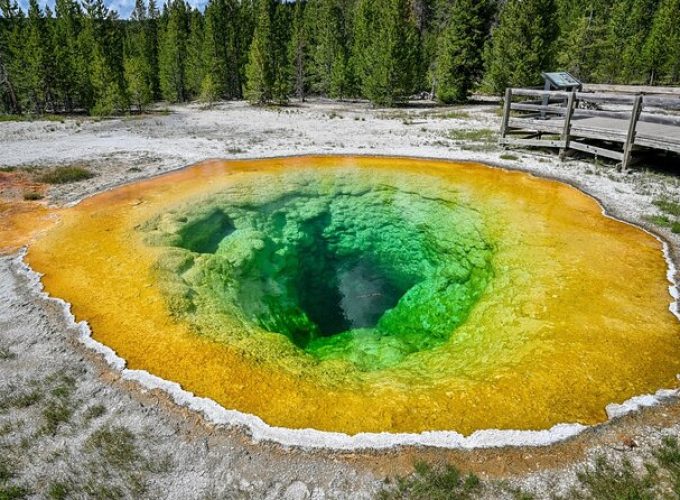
[{"x": 561, "y": 80}]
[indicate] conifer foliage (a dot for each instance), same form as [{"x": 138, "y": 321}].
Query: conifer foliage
[
  {"x": 83, "y": 58},
  {"x": 260, "y": 68},
  {"x": 459, "y": 66},
  {"x": 522, "y": 44},
  {"x": 386, "y": 50}
]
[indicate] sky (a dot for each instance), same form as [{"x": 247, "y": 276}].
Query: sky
[{"x": 123, "y": 7}]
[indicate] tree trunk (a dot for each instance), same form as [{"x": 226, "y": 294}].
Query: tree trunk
[{"x": 15, "y": 106}]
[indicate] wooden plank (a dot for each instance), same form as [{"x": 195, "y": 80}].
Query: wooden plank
[
  {"x": 519, "y": 106},
  {"x": 594, "y": 150},
  {"x": 517, "y": 131},
  {"x": 540, "y": 93},
  {"x": 630, "y": 136},
  {"x": 567, "y": 124},
  {"x": 631, "y": 89},
  {"x": 666, "y": 103},
  {"x": 660, "y": 119},
  {"x": 506, "y": 111},
  {"x": 559, "y": 100},
  {"x": 655, "y": 143},
  {"x": 617, "y": 115},
  {"x": 606, "y": 98},
  {"x": 526, "y": 133},
  {"x": 532, "y": 142},
  {"x": 578, "y": 130},
  {"x": 551, "y": 126}
]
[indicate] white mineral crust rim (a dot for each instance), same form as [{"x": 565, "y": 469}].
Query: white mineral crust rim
[{"x": 312, "y": 438}]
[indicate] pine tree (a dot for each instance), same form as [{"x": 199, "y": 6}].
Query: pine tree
[
  {"x": 138, "y": 84},
  {"x": 298, "y": 52},
  {"x": 260, "y": 68},
  {"x": 245, "y": 29},
  {"x": 661, "y": 52},
  {"x": 280, "y": 39},
  {"x": 12, "y": 74},
  {"x": 209, "y": 90},
  {"x": 137, "y": 65},
  {"x": 151, "y": 49},
  {"x": 172, "y": 54},
  {"x": 69, "y": 73},
  {"x": 459, "y": 63},
  {"x": 36, "y": 57},
  {"x": 522, "y": 44},
  {"x": 582, "y": 34},
  {"x": 195, "y": 57},
  {"x": 329, "y": 50},
  {"x": 222, "y": 45},
  {"x": 104, "y": 59},
  {"x": 340, "y": 77},
  {"x": 386, "y": 50},
  {"x": 213, "y": 50},
  {"x": 639, "y": 24}
]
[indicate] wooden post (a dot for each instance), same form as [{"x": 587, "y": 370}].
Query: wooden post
[
  {"x": 571, "y": 100},
  {"x": 506, "y": 112},
  {"x": 630, "y": 137}
]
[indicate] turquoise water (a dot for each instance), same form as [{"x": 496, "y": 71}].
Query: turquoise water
[{"x": 365, "y": 274}]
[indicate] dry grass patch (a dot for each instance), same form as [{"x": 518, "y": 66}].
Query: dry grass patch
[{"x": 65, "y": 175}]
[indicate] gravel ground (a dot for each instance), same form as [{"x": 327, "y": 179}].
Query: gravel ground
[{"x": 65, "y": 416}]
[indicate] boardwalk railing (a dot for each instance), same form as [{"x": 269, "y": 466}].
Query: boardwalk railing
[{"x": 576, "y": 121}]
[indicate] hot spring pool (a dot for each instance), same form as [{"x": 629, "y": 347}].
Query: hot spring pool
[{"x": 359, "y": 294}]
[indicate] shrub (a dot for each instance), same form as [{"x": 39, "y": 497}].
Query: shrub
[{"x": 32, "y": 196}]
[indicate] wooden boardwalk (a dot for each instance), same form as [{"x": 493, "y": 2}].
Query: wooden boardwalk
[{"x": 612, "y": 125}]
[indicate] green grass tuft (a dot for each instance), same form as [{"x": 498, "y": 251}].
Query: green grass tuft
[
  {"x": 13, "y": 492},
  {"x": 658, "y": 220},
  {"x": 60, "y": 406},
  {"x": 65, "y": 175},
  {"x": 668, "y": 456},
  {"x": 454, "y": 115},
  {"x": 6, "y": 471},
  {"x": 64, "y": 389},
  {"x": 474, "y": 135},
  {"x": 21, "y": 399},
  {"x": 116, "y": 445},
  {"x": 434, "y": 483},
  {"x": 28, "y": 117},
  {"x": 58, "y": 491},
  {"x": 95, "y": 411},
  {"x": 601, "y": 481},
  {"x": 6, "y": 354},
  {"x": 56, "y": 413},
  {"x": 669, "y": 207},
  {"x": 605, "y": 481},
  {"x": 507, "y": 156}
]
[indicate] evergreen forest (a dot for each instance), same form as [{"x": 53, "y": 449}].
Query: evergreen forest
[{"x": 80, "y": 56}]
